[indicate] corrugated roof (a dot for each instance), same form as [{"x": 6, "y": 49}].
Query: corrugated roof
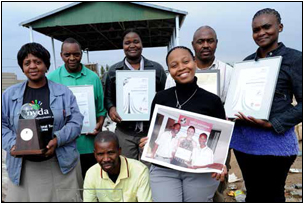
[
  {"x": 25, "y": 23},
  {"x": 99, "y": 25}
]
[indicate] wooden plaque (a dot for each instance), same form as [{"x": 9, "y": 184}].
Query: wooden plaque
[{"x": 29, "y": 141}]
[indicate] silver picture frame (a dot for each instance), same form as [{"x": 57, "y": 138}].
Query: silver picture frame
[
  {"x": 85, "y": 100},
  {"x": 252, "y": 87},
  {"x": 209, "y": 80},
  {"x": 135, "y": 91}
]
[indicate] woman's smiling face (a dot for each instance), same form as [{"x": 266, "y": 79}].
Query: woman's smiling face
[
  {"x": 181, "y": 66},
  {"x": 132, "y": 46}
]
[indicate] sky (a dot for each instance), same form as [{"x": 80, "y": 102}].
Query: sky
[{"x": 231, "y": 21}]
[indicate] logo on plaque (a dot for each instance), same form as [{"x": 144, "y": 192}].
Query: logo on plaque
[{"x": 29, "y": 141}]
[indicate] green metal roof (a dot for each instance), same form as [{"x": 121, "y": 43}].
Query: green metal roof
[{"x": 99, "y": 25}]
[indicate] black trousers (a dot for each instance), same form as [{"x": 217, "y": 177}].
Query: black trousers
[
  {"x": 86, "y": 161},
  {"x": 264, "y": 176}
]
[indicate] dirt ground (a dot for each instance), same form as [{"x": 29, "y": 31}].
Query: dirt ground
[{"x": 293, "y": 178}]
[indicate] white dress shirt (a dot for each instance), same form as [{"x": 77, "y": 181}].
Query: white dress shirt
[
  {"x": 166, "y": 144},
  {"x": 202, "y": 156}
]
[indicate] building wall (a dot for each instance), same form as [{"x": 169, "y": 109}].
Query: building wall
[{"x": 9, "y": 79}]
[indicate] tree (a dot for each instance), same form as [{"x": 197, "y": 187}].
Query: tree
[{"x": 102, "y": 70}]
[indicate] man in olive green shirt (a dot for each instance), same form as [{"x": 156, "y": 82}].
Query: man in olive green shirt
[{"x": 73, "y": 73}]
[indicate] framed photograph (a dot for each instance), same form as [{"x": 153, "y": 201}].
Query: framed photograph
[
  {"x": 85, "y": 100},
  {"x": 252, "y": 87},
  {"x": 209, "y": 80},
  {"x": 187, "y": 141},
  {"x": 135, "y": 91}
]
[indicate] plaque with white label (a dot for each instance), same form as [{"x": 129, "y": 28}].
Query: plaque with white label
[{"x": 28, "y": 139}]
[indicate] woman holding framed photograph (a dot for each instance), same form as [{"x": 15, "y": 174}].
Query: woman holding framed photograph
[{"x": 169, "y": 185}]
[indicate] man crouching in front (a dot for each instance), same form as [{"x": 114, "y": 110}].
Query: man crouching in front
[{"x": 115, "y": 178}]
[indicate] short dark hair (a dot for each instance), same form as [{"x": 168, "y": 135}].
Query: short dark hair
[
  {"x": 176, "y": 124},
  {"x": 107, "y": 136},
  {"x": 204, "y": 134},
  {"x": 70, "y": 40},
  {"x": 131, "y": 30},
  {"x": 178, "y": 47},
  {"x": 35, "y": 49},
  {"x": 268, "y": 11},
  {"x": 192, "y": 127}
]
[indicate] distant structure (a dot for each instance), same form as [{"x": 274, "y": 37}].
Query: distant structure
[
  {"x": 9, "y": 79},
  {"x": 99, "y": 25},
  {"x": 93, "y": 67}
]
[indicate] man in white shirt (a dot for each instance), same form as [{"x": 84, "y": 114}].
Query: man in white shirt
[
  {"x": 165, "y": 144},
  {"x": 202, "y": 155},
  {"x": 204, "y": 44}
]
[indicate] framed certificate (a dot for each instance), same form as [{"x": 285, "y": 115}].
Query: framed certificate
[
  {"x": 209, "y": 80},
  {"x": 135, "y": 91},
  {"x": 252, "y": 87},
  {"x": 85, "y": 100}
]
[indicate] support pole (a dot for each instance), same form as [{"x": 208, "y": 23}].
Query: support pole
[
  {"x": 169, "y": 45},
  {"x": 53, "y": 51},
  {"x": 87, "y": 50},
  {"x": 177, "y": 31},
  {"x": 173, "y": 39},
  {"x": 31, "y": 34}
]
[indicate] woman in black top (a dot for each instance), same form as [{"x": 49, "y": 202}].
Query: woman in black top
[{"x": 169, "y": 185}]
